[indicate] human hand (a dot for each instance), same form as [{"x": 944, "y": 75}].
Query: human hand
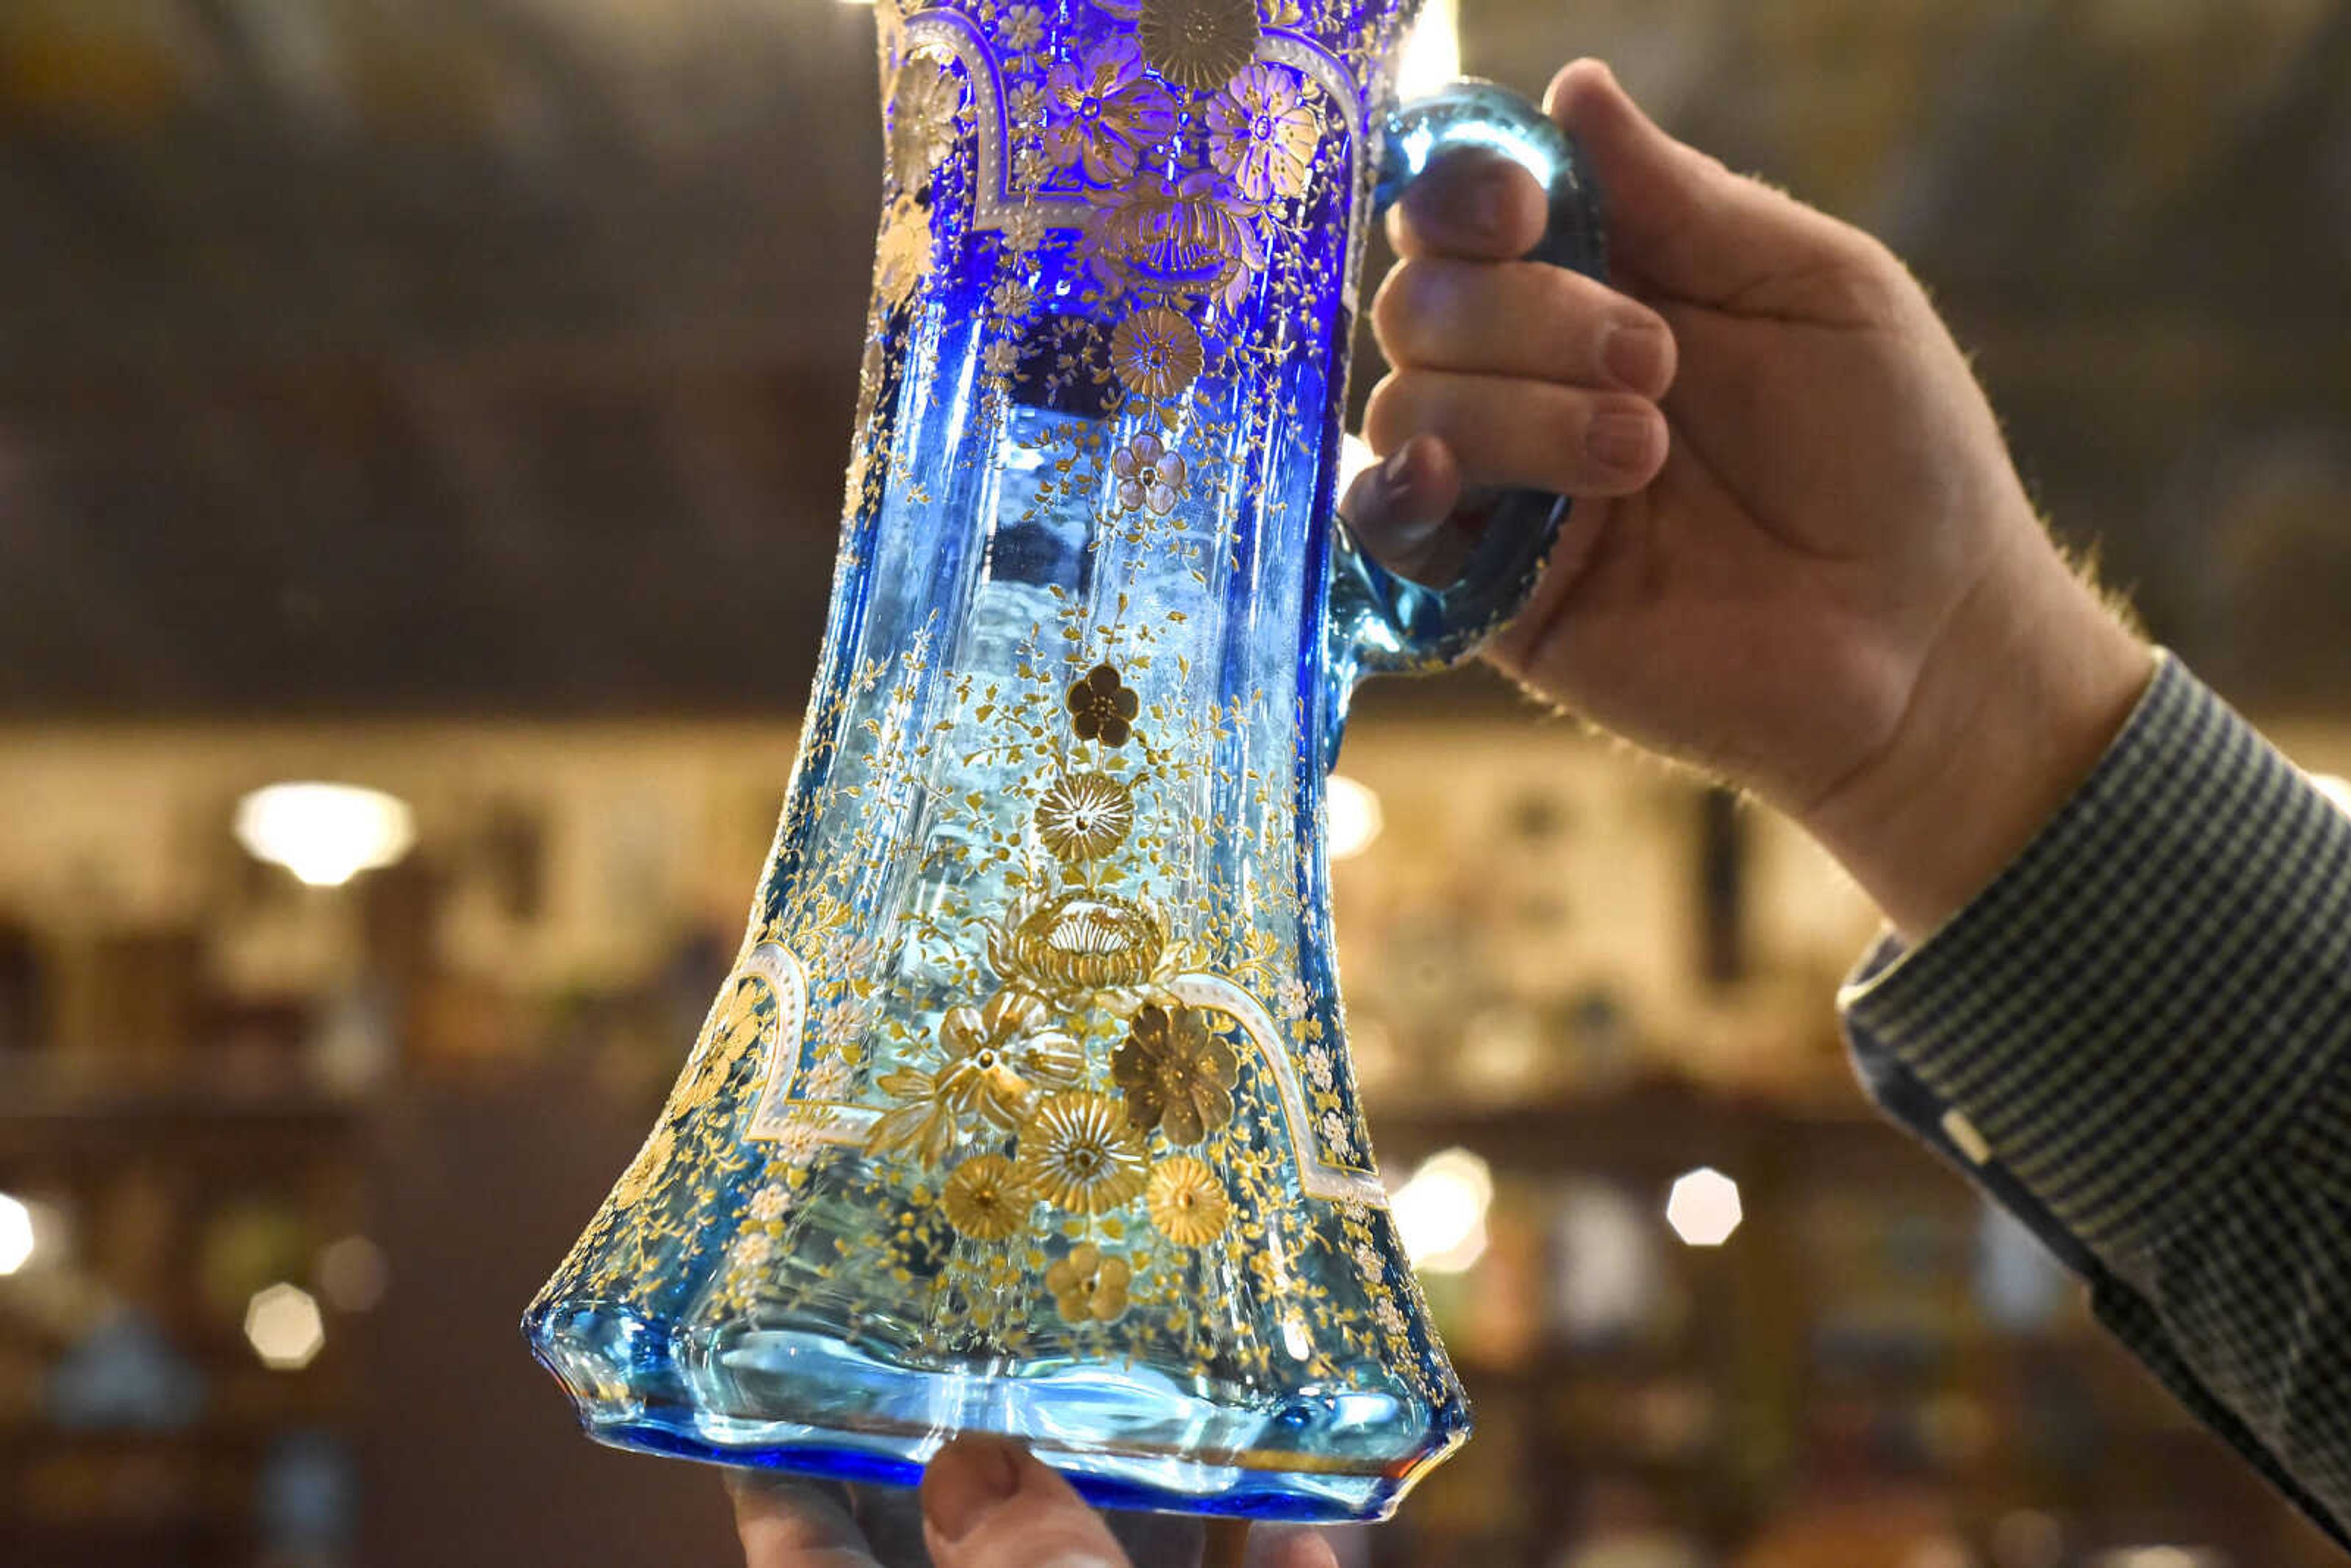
[
  {"x": 986, "y": 1503},
  {"x": 1800, "y": 555}
]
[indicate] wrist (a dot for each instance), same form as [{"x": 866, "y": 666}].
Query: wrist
[{"x": 2019, "y": 696}]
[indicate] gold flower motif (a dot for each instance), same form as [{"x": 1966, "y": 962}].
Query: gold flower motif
[
  {"x": 1080, "y": 941},
  {"x": 1084, "y": 815},
  {"x": 904, "y": 253},
  {"x": 923, "y": 108},
  {"x": 1190, "y": 237},
  {"x": 742, "y": 1026},
  {"x": 1088, "y": 1286},
  {"x": 1155, "y": 351},
  {"x": 1178, "y": 1075},
  {"x": 650, "y": 1164},
  {"x": 1187, "y": 1201},
  {"x": 1284, "y": 13},
  {"x": 1078, "y": 1153},
  {"x": 984, "y": 1199},
  {"x": 997, "y": 1057},
  {"x": 1199, "y": 44},
  {"x": 1110, "y": 113},
  {"x": 1023, "y": 28},
  {"x": 1262, "y": 134},
  {"x": 1149, "y": 476},
  {"x": 1102, "y": 707}
]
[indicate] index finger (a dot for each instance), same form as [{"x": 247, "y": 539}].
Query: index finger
[{"x": 1471, "y": 205}]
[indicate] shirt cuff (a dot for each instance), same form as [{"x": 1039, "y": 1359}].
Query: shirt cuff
[{"x": 2144, "y": 998}]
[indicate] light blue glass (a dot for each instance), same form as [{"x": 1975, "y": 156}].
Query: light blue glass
[{"x": 1027, "y": 1108}]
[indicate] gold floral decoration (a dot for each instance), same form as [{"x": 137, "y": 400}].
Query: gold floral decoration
[
  {"x": 1084, "y": 815},
  {"x": 1022, "y": 29},
  {"x": 1284, "y": 13},
  {"x": 1190, "y": 236},
  {"x": 1078, "y": 1153},
  {"x": 741, "y": 1027},
  {"x": 1199, "y": 44},
  {"x": 904, "y": 252},
  {"x": 1262, "y": 133},
  {"x": 1150, "y": 477},
  {"x": 998, "y": 1058},
  {"x": 923, "y": 109},
  {"x": 1178, "y": 1075},
  {"x": 984, "y": 1199},
  {"x": 1080, "y": 941},
  {"x": 1110, "y": 112},
  {"x": 1103, "y": 705},
  {"x": 1155, "y": 351},
  {"x": 1089, "y": 1285},
  {"x": 652, "y": 1162},
  {"x": 1187, "y": 1201}
]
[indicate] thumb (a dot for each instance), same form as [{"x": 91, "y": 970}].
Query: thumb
[
  {"x": 1679, "y": 222},
  {"x": 988, "y": 1503}
]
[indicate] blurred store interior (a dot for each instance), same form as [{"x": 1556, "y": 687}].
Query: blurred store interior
[{"x": 450, "y": 398}]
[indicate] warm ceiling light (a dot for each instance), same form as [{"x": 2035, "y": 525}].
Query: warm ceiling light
[
  {"x": 15, "y": 1234},
  {"x": 1703, "y": 1208},
  {"x": 1431, "y": 55},
  {"x": 1355, "y": 818},
  {"x": 325, "y": 833},
  {"x": 1441, "y": 1212},
  {"x": 283, "y": 1325}
]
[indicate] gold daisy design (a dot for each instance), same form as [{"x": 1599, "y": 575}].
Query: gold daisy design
[
  {"x": 1088, "y": 1285},
  {"x": 1262, "y": 134},
  {"x": 1084, "y": 815},
  {"x": 1187, "y": 1201},
  {"x": 1197, "y": 44},
  {"x": 1156, "y": 352},
  {"x": 1078, "y": 1153},
  {"x": 984, "y": 1199}
]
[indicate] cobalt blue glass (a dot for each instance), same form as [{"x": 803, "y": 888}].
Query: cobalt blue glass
[{"x": 1027, "y": 1107}]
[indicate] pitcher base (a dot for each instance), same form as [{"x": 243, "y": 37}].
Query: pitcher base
[{"x": 1123, "y": 1437}]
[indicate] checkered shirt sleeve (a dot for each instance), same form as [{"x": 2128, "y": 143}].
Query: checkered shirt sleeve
[{"x": 2139, "y": 1040}]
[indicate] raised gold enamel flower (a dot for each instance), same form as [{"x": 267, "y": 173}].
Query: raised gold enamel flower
[
  {"x": 1155, "y": 351},
  {"x": 1106, "y": 112},
  {"x": 652, "y": 1162},
  {"x": 1187, "y": 1201},
  {"x": 1178, "y": 1074},
  {"x": 1150, "y": 477},
  {"x": 1197, "y": 44},
  {"x": 1103, "y": 705},
  {"x": 1262, "y": 133},
  {"x": 903, "y": 254},
  {"x": 1088, "y": 1285},
  {"x": 984, "y": 1198},
  {"x": 1080, "y": 941},
  {"x": 1084, "y": 815},
  {"x": 1078, "y": 1153},
  {"x": 923, "y": 108},
  {"x": 997, "y": 1060}
]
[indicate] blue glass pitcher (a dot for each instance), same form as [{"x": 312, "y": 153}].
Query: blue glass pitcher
[{"x": 1027, "y": 1107}]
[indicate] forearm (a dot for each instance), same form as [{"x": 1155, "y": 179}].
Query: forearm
[{"x": 2138, "y": 1036}]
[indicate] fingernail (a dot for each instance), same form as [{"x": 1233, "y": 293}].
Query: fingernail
[
  {"x": 1393, "y": 471},
  {"x": 1637, "y": 357},
  {"x": 970, "y": 1476},
  {"x": 1618, "y": 438}
]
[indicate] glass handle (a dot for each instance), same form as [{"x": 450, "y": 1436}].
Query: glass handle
[{"x": 1381, "y": 622}]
